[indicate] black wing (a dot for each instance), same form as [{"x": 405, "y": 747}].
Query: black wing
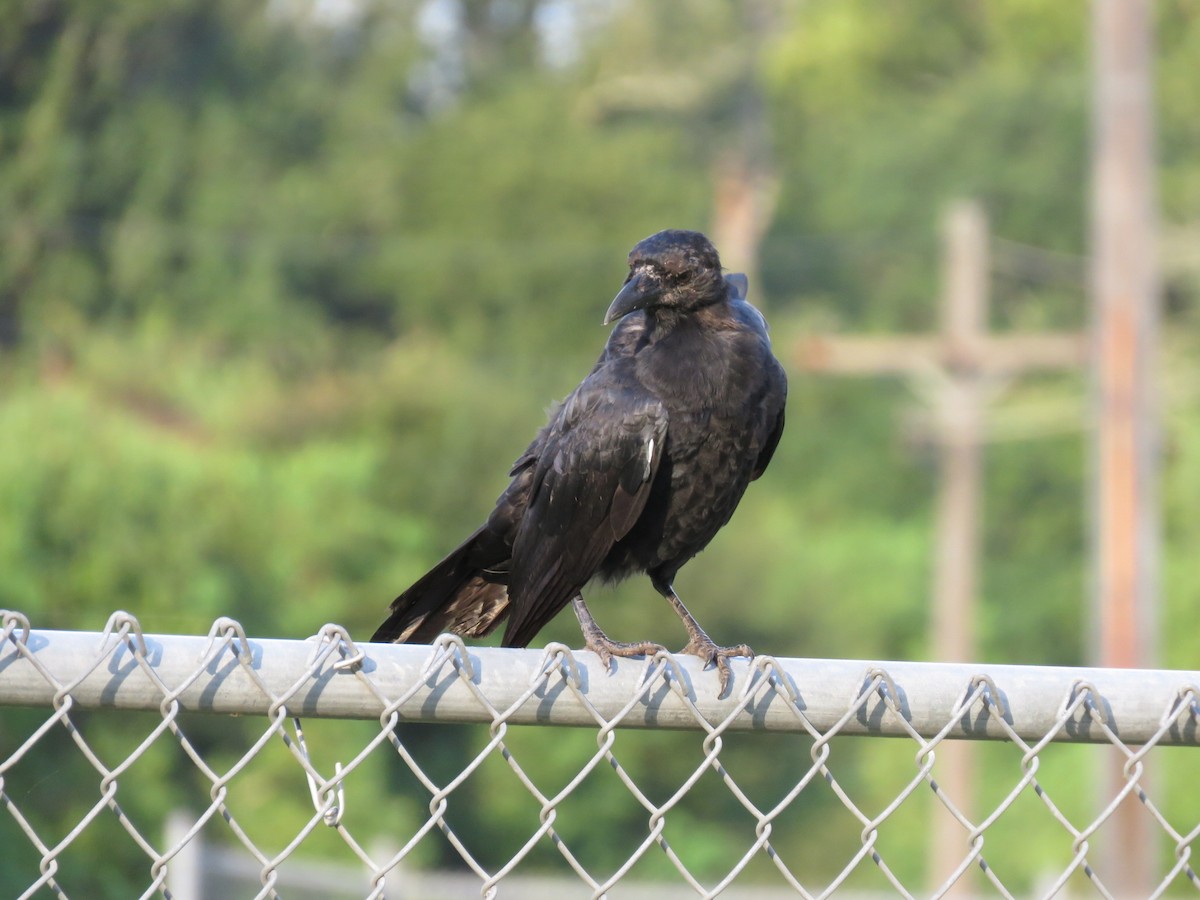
[
  {"x": 774, "y": 396},
  {"x": 593, "y": 476}
]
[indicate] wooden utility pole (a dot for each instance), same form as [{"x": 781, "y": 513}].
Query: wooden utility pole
[
  {"x": 1124, "y": 331},
  {"x": 959, "y": 433},
  {"x": 745, "y": 183},
  {"x": 963, "y": 360}
]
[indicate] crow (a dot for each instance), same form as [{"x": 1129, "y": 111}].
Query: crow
[{"x": 635, "y": 471}]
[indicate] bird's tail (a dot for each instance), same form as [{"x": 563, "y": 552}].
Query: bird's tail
[{"x": 455, "y": 595}]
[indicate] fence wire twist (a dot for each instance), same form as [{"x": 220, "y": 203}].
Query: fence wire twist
[{"x": 332, "y": 676}]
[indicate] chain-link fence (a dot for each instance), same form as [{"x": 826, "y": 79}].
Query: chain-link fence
[{"x": 663, "y": 788}]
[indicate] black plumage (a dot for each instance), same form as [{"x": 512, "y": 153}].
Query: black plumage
[{"x": 635, "y": 471}]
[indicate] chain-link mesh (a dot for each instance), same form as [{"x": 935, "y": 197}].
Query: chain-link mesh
[{"x": 392, "y": 806}]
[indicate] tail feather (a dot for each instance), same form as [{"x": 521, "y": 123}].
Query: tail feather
[{"x": 452, "y": 596}]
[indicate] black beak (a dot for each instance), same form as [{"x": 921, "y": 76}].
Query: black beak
[{"x": 638, "y": 293}]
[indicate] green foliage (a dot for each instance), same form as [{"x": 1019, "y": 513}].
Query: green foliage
[
  {"x": 280, "y": 300},
  {"x": 891, "y": 111}
]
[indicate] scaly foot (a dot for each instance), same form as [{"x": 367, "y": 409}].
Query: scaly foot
[
  {"x": 602, "y": 645},
  {"x": 703, "y": 646},
  {"x": 699, "y": 643}
]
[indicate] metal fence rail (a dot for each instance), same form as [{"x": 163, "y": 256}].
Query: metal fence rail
[{"x": 1031, "y": 710}]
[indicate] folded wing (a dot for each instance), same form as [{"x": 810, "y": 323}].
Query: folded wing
[{"x": 593, "y": 476}]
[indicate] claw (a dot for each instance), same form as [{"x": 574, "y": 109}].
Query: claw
[
  {"x": 712, "y": 654},
  {"x": 700, "y": 644},
  {"x": 606, "y": 648},
  {"x": 602, "y": 645}
]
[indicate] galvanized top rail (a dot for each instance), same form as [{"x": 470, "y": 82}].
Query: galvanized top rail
[{"x": 332, "y": 676}]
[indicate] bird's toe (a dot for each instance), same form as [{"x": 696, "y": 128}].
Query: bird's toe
[
  {"x": 606, "y": 648},
  {"x": 715, "y": 655}
]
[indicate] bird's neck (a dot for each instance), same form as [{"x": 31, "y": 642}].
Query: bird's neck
[{"x": 663, "y": 320}]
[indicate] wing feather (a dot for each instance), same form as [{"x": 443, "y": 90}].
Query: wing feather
[{"x": 592, "y": 479}]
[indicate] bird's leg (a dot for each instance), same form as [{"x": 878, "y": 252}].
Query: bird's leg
[
  {"x": 699, "y": 643},
  {"x": 601, "y": 644}
]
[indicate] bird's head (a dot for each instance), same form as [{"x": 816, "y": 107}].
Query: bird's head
[{"x": 673, "y": 270}]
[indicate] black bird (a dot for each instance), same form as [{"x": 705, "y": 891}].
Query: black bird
[{"x": 635, "y": 471}]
